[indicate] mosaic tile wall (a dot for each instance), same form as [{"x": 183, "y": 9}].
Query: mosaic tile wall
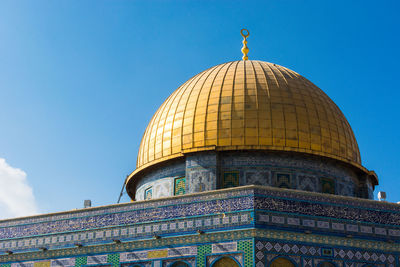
[
  {"x": 310, "y": 255},
  {"x": 236, "y": 208},
  {"x": 209, "y": 170},
  {"x": 130, "y": 222},
  {"x": 228, "y": 214},
  {"x": 180, "y": 186},
  {"x": 173, "y": 169},
  {"x": 230, "y": 179},
  {"x": 159, "y": 188},
  {"x": 300, "y": 172},
  {"x": 201, "y": 172},
  {"x": 200, "y": 255}
]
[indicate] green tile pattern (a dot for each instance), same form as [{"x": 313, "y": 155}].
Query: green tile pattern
[
  {"x": 247, "y": 247},
  {"x": 113, "y": 259},
  {"x": 180, "y": 186},
  {"x": 201, "y": 252},
  {"x": 80, "y": 261}
]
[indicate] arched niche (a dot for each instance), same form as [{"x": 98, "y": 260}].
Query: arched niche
[
  {"x": 180, "y": 264},
  {"x": 225, "y": 262},
  {"x": 282, "y": 262}
]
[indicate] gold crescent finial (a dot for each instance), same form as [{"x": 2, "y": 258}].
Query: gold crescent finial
[{"x": 245, "y": 50}]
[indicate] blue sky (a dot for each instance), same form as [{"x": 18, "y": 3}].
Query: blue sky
[{"x": 79, "y": 80}]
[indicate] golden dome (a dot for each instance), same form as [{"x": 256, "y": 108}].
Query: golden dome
[{"x": 248, "y": 105}]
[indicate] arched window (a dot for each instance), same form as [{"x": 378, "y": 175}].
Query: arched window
[
  {"x": 225, "y": 262},
  {"x": 326, "y": 264},
  {"x": 179, "y": 264},
  {"x": 281, "y": 262}
]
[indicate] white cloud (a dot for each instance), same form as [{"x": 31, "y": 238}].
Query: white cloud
[{"x": 16, "y": 195}]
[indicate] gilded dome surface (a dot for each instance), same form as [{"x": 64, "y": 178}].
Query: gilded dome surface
[{"x": 248, "y": 105}]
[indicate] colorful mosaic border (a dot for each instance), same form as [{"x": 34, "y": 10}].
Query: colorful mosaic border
[
  {"x": 309, "y": 255},
  {"x": 199, "y": 239},
  {"x": 217, "y": 211}
]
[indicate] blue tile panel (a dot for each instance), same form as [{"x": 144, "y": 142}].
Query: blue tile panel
[
  {"x": 129, "y": 217},
  {"x": 201, "y": 172},
  {"x": 300, "y": 171},
  {"x": 250, "y": 252},
  {"x": 323, "y": 205},
  {"x": 309, "y": 255},
  {"x": 195, "y": 255},
  {"x": 235, "y": 208},
  {"x": 206, "y": 171},
  {"x": 171, "y": 170}
]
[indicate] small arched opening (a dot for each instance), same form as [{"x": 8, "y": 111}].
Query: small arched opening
[
  {"x": 179, "y": 264},
  {"x": 225, "y": 262},
  {"x": 282, "y": 262}
]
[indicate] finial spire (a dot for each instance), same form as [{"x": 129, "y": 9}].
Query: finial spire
[{"x": 245, "y": 50}]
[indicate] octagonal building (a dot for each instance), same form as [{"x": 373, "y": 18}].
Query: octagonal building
[
  {"x": 247, "y": 164},
  {"x": 249, "y": 123}
]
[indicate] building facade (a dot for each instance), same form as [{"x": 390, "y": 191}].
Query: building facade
[
  {"x": 246, "y": 164},
  {"x": 249, "y": 225}
]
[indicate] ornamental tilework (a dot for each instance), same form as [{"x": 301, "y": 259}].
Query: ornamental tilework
[
  {"x": 364, "y": 205},
  {"x": 129, "y": 217},
  {"x": 349, "y": 212},
  {"x": 290, "y": 221},
  {"x": 283, "y": 180},
  {"x": 268, "y": 250},
  {"x": 237, "y": 256},
  {"x": 80, "y": 261},
  {"x": 172, "y": 170},
  {"x": 152, "y": 257},
  {"x": 168, "y": 263},
  {"x": 200, "y": 181},
  {"x": 159, "y": 188},
  {"x": 113, "y": 259},
  {"x": 259, "y": 159},
  {"x": 226, "y": 220},
  {"x": 201, "y": 172},
  {"x": 258, "y": 177},
  {"x": 203, "y": 250},
  {"x": 271, "y": 257},
  {"x": 210, "y": 211},
  {"x": 148, "y": 193},
  {"x": 327, "y": 186},
  {"x": 247, "y": 247},
  {"x": 230, "y": 179},
  {"x": 63, "y": 262},
  {"x": 180, "y": 186},
  {"x": 305, "y": 171},
  {"x": 307, "y": 182},
  {"x": 307, "y": 262},
  {"x": 23, "y": 264},
  {"x": 142, "y": 264},
  {"x": 45, "y": 263},
  {"x": 97, "y": 259},
  {"x": 120, "y": 208},
  {"x": 224, "y": 247}
]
